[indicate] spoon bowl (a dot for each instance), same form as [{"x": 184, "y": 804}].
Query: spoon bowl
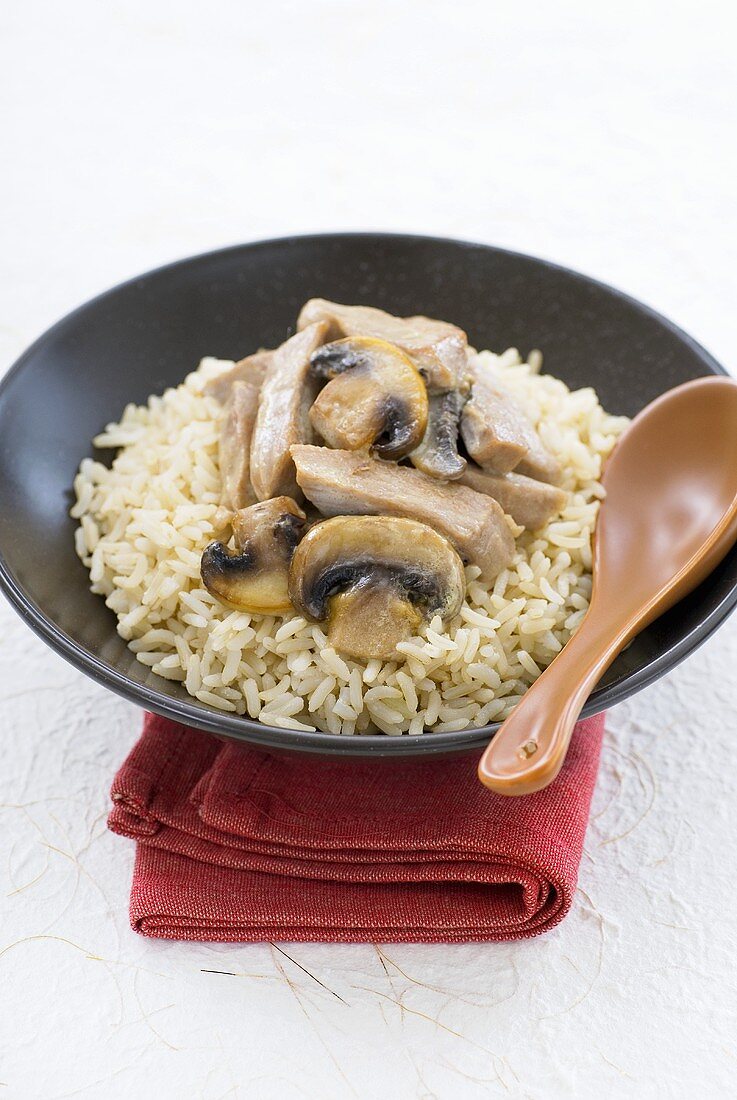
[{"x": 669, "y": 518}]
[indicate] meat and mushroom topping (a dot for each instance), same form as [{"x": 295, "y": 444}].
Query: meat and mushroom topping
[
  {"x": 283, "y": 418},
  {"x": 437, "y": 455},
  {"x": 252, "y": 370},
  {"x": 440, "y": 352},
  {"x": 375, "y": 579},
  {"x": 351, "y": 483},
  {"x": 538, "y": 463},
  {"x": 530, "y": 503},
  {"x": 239, "y": 389},
  {"x": 375, "y": 397},
  {"x": 400, "y": 387},
  {"x": 241, "y": 409},
  {"x": 498, "y": 433},
  {"x": 255, "y": 577},
  {"x": 438, "y": 349}
]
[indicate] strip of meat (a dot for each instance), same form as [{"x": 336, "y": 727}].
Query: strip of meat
[
  {"x": 530, "y": 503},
  {"x": 252, "y": 369},
  {"x": 490, "y": 427},
  {"x": 438, "y": 348},
  {"x": 351, "y": 483},
  {"x": 283, "y": 415},
  {"x": 539, "y": 464},
  {"x": 241, "y": 409},
  {"x": 498, "y": 433}
]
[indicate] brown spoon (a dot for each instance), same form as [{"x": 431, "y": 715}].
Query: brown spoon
[{"x": 669, "y": 517}]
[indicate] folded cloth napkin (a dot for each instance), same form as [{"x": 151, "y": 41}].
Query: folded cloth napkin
[{"x": 235, "y": 843}]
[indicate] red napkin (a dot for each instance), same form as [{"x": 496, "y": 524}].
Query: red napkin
[{"x": 235, "y": 843}]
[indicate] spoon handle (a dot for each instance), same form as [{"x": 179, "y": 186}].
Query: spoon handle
[{"x": 527, "y": 752}]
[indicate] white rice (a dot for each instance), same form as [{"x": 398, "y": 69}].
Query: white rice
[{"x": 145, "y": 522}]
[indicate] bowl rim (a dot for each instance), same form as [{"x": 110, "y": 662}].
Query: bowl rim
[{"x": 242, "y": 728}]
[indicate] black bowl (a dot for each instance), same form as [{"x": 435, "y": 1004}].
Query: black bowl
[{"x": 145, "y": 335}]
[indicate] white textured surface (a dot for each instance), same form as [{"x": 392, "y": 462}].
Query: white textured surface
[{"x": 600, "y": 136}]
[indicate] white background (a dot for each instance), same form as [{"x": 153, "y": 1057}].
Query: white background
[{"x": 598, "y": 135}]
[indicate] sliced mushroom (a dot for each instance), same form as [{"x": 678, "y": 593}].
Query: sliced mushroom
[
  {"x": 436, "y": 347},
  {"x": 375, "y": 579},
  {"x": 343, "y": 483},
  {"x": 255, "y": 578},
  {"x": 437, "y": 454},
  {"x": 375, "y": 397}
]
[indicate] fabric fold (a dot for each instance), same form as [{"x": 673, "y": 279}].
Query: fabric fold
[{"x": 235, "y": 843}]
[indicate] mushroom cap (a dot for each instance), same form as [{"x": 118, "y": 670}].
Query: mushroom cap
[
  {"x": 375, "y": 397},
  {"x": 375, "y": 578},
  {"x": 256, "y": 577}
]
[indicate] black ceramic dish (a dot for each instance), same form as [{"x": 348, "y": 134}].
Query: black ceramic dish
[{"x": 145, "y": 335}]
